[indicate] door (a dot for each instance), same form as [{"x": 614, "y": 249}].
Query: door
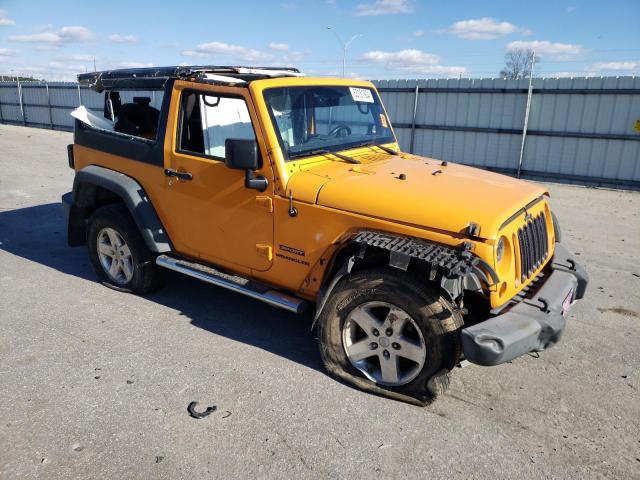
[{"x": 213, "y": 216}]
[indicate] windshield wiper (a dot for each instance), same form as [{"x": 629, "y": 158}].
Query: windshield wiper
[
  {"x": 390, "y": 151},
  {"x": 323, "y": 151}
]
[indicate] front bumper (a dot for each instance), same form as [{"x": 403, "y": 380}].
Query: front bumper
[{"x": 533, "y": 324}]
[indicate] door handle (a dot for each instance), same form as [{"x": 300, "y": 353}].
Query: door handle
[{"x": 170, "y": 172}]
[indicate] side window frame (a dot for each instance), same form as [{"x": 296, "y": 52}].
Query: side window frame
[
  {"x": 131, "y": 147},
  {"x": 127, "y": 136},
  {"x": 178, "y": 139}
]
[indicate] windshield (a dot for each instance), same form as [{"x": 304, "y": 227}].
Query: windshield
[{"x": 309, "y": 120}]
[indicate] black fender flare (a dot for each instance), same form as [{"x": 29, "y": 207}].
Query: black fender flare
[
  {"x": 85, "y": 188},
  {"x": 455, "y": 270}
]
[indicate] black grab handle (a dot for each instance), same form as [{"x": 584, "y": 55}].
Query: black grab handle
[{"x": 170, "y": 172}]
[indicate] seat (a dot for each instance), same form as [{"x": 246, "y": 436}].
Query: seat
[{"x": 138, "y": 118}]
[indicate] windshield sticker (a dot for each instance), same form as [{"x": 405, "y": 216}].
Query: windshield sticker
[
  {"x": 383, "y": 121},
  {"x": 361, "y": 95}
]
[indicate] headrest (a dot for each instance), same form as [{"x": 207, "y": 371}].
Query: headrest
[{"x": 144, "y": 101}]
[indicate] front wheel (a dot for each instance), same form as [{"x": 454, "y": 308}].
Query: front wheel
[{"x": 390, "y": 333}]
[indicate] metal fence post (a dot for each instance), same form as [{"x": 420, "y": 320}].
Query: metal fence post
[
  {"x": 46, "y": 85},
  {"x": 24, "y": 119},
  {"x": 79, "y": 96},
  {"x": 413, "y": 121},
  {"x": 1, "y": 117}
]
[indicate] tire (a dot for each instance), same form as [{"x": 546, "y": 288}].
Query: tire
[
  {"x": 137, "y": 271},
  {"x": 556, "y": 227},
  {"x": 428, "y": 319}
]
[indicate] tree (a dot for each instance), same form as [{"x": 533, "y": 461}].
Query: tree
[{"x": 518, "y": 64}]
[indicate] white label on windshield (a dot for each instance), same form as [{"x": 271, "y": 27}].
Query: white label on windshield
[{"x": 361, "y": 95}]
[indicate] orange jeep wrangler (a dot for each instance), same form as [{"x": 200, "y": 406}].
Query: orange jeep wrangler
[{"x": 294, "y": 191}]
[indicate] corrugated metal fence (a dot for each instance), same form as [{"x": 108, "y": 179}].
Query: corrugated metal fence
[
  {"x": 48, "y": 105},
  {"x": 581, "y": 130}
]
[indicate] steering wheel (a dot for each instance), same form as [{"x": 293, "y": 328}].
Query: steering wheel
[{"x": 335, "y": 131}]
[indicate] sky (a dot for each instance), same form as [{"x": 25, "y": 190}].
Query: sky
[{"x": 56, "y": 40}]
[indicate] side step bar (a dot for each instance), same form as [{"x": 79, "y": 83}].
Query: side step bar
[{"x": 234, "y": 283}]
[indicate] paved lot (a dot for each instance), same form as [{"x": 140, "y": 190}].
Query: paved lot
[{"x": 95, "y": 383}]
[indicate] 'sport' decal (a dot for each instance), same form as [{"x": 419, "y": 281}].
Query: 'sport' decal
[{"x": 295, "y": 251}]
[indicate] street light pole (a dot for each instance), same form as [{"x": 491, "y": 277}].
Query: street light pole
[{"x": 344, "y": 46}]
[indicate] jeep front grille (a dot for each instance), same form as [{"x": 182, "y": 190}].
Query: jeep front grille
[{"x": 534, "y": 245}]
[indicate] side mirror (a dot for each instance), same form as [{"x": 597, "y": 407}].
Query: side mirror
[{"x": 242, "y": 154}]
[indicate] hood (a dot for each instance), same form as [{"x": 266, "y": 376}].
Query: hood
[{"x": 417, "y": 191}]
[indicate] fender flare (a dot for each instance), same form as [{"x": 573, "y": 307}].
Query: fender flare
[
  {"x": 455, "y": 270},
  {"x": 132, "y": 194}
]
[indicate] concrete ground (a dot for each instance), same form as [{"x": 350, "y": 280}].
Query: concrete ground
[{"x": 95, "y": 383}]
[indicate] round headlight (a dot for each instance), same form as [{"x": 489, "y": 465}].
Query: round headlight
[{"x": 500, "y": 250}]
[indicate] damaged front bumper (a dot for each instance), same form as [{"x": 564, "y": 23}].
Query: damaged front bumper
[{"x": 533, "y": 324}]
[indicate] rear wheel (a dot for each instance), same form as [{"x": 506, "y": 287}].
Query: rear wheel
[
  {"x": 118, "y": 253},
  {"x": 390, "y": 333}
]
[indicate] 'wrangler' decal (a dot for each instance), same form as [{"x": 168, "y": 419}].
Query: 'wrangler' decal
[{"x": 291, "y": 259}]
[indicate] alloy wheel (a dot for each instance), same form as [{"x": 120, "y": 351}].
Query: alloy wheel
[
  {"x": 115, "y": 256},
  {"x": 383, "y": 342}
]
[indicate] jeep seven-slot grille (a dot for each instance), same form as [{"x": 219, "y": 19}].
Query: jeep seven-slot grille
[{"x": 534, "y": 245}]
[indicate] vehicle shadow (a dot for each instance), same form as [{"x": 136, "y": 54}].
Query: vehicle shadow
[{"x": 39, "y": 234}]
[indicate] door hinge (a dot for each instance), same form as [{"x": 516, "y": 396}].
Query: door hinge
[
  {"x": 264, "y": 201},
  {"x": 265, "y": 251}
]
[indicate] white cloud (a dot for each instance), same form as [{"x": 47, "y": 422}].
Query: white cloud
[
  {"x": 282, "y": 47},
  {"x": 73, "y": 34},
  {"x": 133, "y": 65},
  {"x": 220, "y": 48},
  {"x": 439, "y": 71},
  {"x": 403, "y": 57},
  {"x": 66, "y": 67},
  {"x": 194, "y": 53},
  {"x": 418, "y": 33},
  {"x": 558, "y": 51},
  {"x": 383, "y": 7},
  {"x": 7, "y": 52},
  {"x": 626, "y": 65},
  {"x": 117, "y": 38},
  {"x": 45, "y": 47},
  {"x": 413, "y": 61},
  {"x": 76, "y": 57},
  {"x": 54, "y": 70},
  {"x": 485, "y": 28},
  {"x": 46, "y": 37},
  {"x": 4, "y": 20}
]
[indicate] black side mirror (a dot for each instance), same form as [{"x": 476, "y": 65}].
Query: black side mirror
[{"x": 241, "y": 154}]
